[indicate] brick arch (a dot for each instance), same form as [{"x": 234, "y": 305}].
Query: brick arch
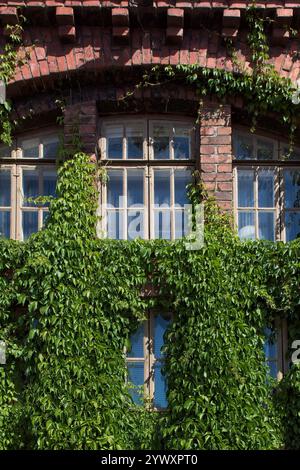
[{"x": 95, "y": 51}]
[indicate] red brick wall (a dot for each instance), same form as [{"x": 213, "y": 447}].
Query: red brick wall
[
  {"x": 216, "y": 151},
  {"x": 74, "y": 45}
]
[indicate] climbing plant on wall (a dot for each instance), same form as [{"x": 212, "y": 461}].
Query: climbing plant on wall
[
  {"x": 10, "y": 58},
  {"x": 72, "y": 300}
]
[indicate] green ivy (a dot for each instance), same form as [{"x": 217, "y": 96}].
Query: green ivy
[{"x": 70, "y": 301}]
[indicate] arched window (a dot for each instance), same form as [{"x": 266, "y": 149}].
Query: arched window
[
  {"x": 267, "y": 188},
  {"x": 27, "y": 171}
]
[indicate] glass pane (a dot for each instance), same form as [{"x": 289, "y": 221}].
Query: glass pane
[
  {"x": 181, "y": 179},
  {"x": 29, "y": 223},
  {"x": 160, "y": 387},
  {"x": 243, "y": 147},
  {"x": 162, "y": 188},
  {"x": 246, "y": 227},
  {"x": 115, "y": 188},
  {"x": 135, "y": 139},
  {"x": 46, "y": 215},
  {"x": 266, "y": 226},
  {"x": 49, "y": 182},
  {"x": 136, "y": 379},
  {"x": 245, "y": 188},
  {"x": 161, "y": 142},
  {"x": 266, "y": 188},
  {"x": 135, "y": 221},
  {"x": 265, "y": 150},
  {"x": 161, "y": 323},
  {"x": 137, "y": 342},
  {"x": 5, "y": 224},
  {"x": 135, "y": 187},
  {"x": 115, "y": 225},
  {"x": 286, "y": 155},
  {"x": 270, "y": 346},
  {"x": 292, "y": 188},
  {"x": 162, "y": 224},
  {"x": 292, "y": 225},
  {"x": 30, "y": 148},
  {"x": 114, "y": 142},
  {"x": 181, "y": 223},
  {"x": 50, "y": 149},
  {"x": 5, "y": 151},
  {"x": 30, "y": 186},
  {"x": 273, "y": 368},
  {"x": 5, "y": 188},
  {"x": 181, "y": 143}
]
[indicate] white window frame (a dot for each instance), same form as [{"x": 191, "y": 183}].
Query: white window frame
[
  {"x": 16, "y": 163},
  {"x": 148, "y": 163},
  {"x": 256, "y": 209},
  {"x": 149, "y": 358}
]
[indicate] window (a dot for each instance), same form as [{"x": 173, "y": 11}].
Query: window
[
  {"x": 275, "y": 349},
  {"x": 27, "y": 171},
  {"x": 145, "y": 360},
  {"x": 267, "y": 188},
  {"x": 149, "y": 165}
]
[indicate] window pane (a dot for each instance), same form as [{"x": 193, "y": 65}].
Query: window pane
[
  {"x": 160, "y": 387},
  {"x": 181, "y": 143},
  {"x": 5, "y": 188},
  {"x": 271, "y": 353},
  {"x": 270, "y": 346},
  {"x": 265, "y": 149},
  {"x": 5, "y": 224},
  {"x": 114, "y": 142},
  {"x": 5, "y": 151},
  {"x": 181, "y": 179},
  {"x": 29, "y": 223},
  {"x": 162, "y": 224},
  {"x": 292, "y": 225},
  {"x": 30, "y": 148},
  {"x": 181, "y": 223},
  {"x": 136, "y": 377},
  {"x": 135, "y": 187},
  {"x": 137, "y": 342},
  {"x": 266, "y": 226},
  {"x": 46, "y": 215},
  {"x": 266, "y": 188},
  {"x": 161, "y": 323},
  {"x": 30, "y": 186},
  {"x": 286, "y": 155},
  {"x": 115, "y": 188},
  {"x": 243, "y": 147},
  {"x": 161, "y": 142},
  {"x": 245, "y": 188},
  {"x": 246, "y": 227},
  {"x": 115, "y": 225},
  {"x": 49, "y": 183},
  {"x": 162, "y": 187},
  {"x": 135, "y": 139},
  {"x": 292, "y": 188},
  {"x": 135, "y": 221},
  {"x": 50, "y": 148}
]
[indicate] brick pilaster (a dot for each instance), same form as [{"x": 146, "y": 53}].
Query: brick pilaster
[
  {"x": 216, "y": 152},
  {"x": 81, "y": 118}
]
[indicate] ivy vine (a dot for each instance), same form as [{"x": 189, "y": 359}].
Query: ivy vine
[{"x": 70, "y": 301}]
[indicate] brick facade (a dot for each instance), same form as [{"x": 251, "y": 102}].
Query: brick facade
[{"x": 90, "y": 53}]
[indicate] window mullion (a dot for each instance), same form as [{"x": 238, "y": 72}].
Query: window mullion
[
  {"x": 256, "y": 202},
  {"x": 172, "y": 208},
  {"x": 125, "y": 209}
]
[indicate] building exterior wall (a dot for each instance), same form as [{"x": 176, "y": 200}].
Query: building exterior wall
[{"x": 90, "y": 53}]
